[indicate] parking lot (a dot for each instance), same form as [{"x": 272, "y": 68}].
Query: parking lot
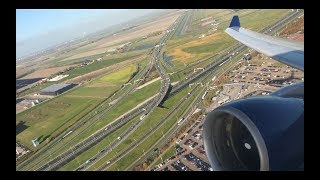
[
  {"x": 190, "y": 153},
  {"x": 260, "y": 76}
]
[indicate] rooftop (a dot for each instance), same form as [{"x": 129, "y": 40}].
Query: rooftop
[{"x": 55, "y": 87}]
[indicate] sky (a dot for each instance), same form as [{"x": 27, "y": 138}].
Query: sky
[{"x": 40, "y": 28}]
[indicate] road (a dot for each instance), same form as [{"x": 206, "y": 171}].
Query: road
[
  {"x": 164, "y": 88},
  {"x": 73, "y": 152},
  {"x": 214, "y": 66},
  {"x": 209, "y": 67},
  {"x": 139, "y": 141},
  {"x": 96, "y": 115}
]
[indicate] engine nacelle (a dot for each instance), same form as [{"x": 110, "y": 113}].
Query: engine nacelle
[{"x": 258, "y": 133}]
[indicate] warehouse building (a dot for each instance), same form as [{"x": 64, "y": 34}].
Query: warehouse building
[{"x": 56, "y": 89}]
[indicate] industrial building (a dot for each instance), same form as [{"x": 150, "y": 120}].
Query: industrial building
[{"x": 56, "y": 89}]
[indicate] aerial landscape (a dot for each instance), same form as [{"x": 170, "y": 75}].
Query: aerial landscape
[{"x": 165, "y": 90}]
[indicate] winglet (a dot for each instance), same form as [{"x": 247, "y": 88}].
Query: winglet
[{"x": 235, "y": 22}]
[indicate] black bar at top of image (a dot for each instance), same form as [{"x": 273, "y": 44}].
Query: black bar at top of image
[{"x": 159, "y": 4}]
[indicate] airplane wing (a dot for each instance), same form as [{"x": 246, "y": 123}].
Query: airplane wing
[
  {"x": 286, "y": 51},
  {"x": 261, "y": 132}
]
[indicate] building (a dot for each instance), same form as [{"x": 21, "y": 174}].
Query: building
[{"x": 56, "y": 89}]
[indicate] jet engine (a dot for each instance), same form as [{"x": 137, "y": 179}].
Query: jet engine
[{"x": 259, "y": 133}]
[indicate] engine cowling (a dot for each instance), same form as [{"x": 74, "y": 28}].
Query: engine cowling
[{"x": 257, "y": 133}]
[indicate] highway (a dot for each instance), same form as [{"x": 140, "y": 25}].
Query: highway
[
  {"x": 156, "y": 101},
  {"x": 81, "y": 147},
  {"x": 97, "y": 114},
  {"x": 216, "y": 63},
  {"x": 171, "y": 132},
  {"x": 237, "y": 49},
  {"x": 276, "y": 26},
  {"x": 148, "y": 134}
]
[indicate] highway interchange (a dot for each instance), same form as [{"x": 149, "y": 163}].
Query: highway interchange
[{"x": 148, "y": 107}]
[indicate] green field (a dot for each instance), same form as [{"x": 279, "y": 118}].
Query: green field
[
  {"x": 255, "y": 20},
  {"x": 50, "y": 118},
  {"x": 72, "y": 165},
  {"x": 98, "y": 65},
  {"x": 146, "y": 125},
  {"x": 129, "y": 102},
  {"x": 152, "y": 41},
  {"x": 170, "y": 152},
  {"x": 252, "y": 19},
  {"x": 106, "y": 85},
  {"x": 105, "y": 62},
  {"x": 125, "y": 105},
  {"x": 133, "y": 155},
  {"x": 223, "y": 42},
  {"x": 61, "y": 60}
]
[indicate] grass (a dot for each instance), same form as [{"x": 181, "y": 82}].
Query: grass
[
  {"x": 170, "y": 152},
  {"x": 105, "y": 62},
  {"x": 128, "y": 103},
  {"x": 152, "y": 41},
  {"x": 256, "y": 20},
  {"x": 132, "y": 101},
  {"x": 176, "y": 77},
  {"x": 207, "y": 99},
  {"x": 95, "y": 149},
  {"x": 96, "y": 66},
  {"x": 50, "y": 118},
  {"x": 187, "y": 70},
  {"x": 219, "y": 44},
  {"x": 146, "y": 125},
  {"x": 133, "y": 155},
  {"x": 194, "y": 49},
  {"x": 112, "y": 82},
  {"x": 189, "y": 48}
]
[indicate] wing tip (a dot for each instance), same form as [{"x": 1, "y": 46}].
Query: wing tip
[{"x": 235, "y": 22}]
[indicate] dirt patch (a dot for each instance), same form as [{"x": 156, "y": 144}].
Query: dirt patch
[
  {"x": 20, "y": 72},
  {"x": 206, "y": 19},
  {"x": 159, "y": 25},
  {"x": 46, "y": 72},
  {"x": 180, "y": 55},
  {"x": 85, "y": 54},
  {"x": 297, "y": 37},
  {"x": 294, "y": 27},
  {"x": 208, "y": 22},
  {"x": 104, "y": 44}
]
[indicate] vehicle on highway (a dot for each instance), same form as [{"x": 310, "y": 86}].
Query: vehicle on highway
[
  {"x": 143, "y": 116},
  {"x": 180, "y": 121},
  {"x": 66, "y": 134}
]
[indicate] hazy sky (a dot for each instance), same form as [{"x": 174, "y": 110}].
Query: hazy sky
[{"x": 39, "y": 29}]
